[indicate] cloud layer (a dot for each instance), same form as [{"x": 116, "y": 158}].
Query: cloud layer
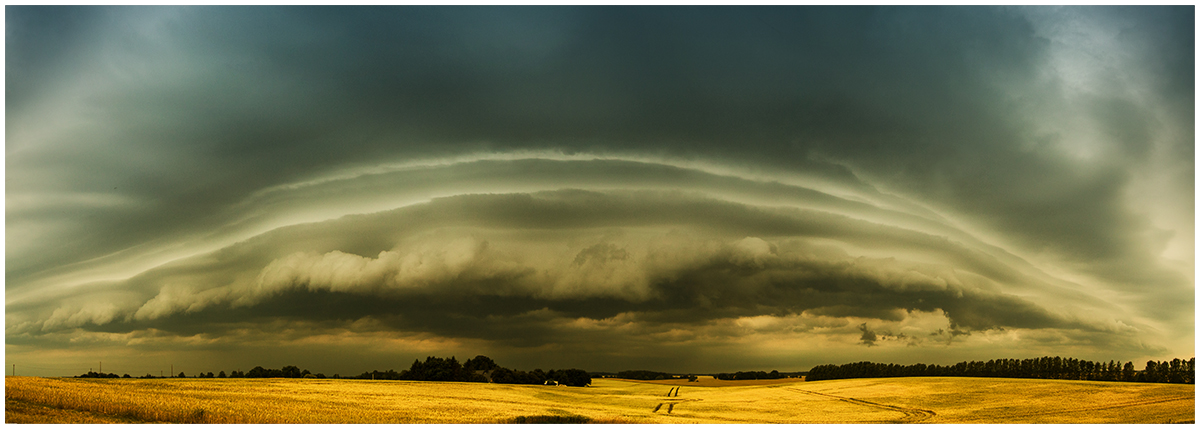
[{"x": 783, "y": 186}]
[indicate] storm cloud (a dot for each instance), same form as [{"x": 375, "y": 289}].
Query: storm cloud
[{"x": 599, "y": 187}]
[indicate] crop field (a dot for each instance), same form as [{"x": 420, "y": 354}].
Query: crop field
[{"x": 890, "y": 400}]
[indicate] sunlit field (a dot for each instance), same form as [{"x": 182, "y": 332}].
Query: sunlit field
[{"x": 892, "y": 400}]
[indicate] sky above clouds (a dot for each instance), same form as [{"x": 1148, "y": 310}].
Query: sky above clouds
[{"x": 686, "y": 189}]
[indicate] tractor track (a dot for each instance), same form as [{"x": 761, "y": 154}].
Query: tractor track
[
  {"x": 672, "y": 401},
  {"x": 911, "y": 415}
]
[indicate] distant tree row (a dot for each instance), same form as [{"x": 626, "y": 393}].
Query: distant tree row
[
  {"x": 647, "y": 375},
  {"x": 257, "y": 372},
  {"x": 1175, "y": 371},
  {"x": 443, "y": 369},
  {"x": 512, "y": 376},
  {"x": 750, "y": 375},
  {"x": 479, "y": 369},
  {"x": 290, "y": 371},
  {"x": 569, "y": 377}
]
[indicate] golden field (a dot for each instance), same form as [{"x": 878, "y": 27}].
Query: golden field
[{"x": 889, "y": 400}]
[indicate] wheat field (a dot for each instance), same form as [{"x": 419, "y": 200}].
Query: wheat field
[{"x": 892, "y": 400}]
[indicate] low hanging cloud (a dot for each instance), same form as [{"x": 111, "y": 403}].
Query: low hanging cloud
[
  {"x": 525, "y": 180},
  {"x": 391, "y": 270},
  {"x": 478, "y": 267}
]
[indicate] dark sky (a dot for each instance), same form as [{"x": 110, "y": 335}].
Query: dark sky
[{"x": 609, "y": 188}]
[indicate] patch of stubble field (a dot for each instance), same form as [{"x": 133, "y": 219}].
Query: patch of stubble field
[{"x": 929, "y": 400}]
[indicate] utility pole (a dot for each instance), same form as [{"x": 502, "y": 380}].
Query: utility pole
[
  {"x": 102, "y": 367},
  {"x": 14, "y": 370}
]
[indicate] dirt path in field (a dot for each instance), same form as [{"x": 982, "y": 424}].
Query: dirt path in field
[{"x": 911, "y": 415}]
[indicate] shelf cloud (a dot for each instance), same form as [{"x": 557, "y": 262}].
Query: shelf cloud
[{"x": 670, "y": 188}]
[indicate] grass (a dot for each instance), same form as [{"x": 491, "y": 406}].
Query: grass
[{"x": 893, "y": 400}]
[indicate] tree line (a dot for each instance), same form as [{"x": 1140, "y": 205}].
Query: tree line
[
  {"x": 751, "y": 375},
  {"x": 257, "y": 372},
  {"x": 436, "y": 369},
  {"x": 480, "y": 369},
  {"x": 1174, "y": 371},
  {"x": 567, "y": 377},
  {"x": 641, "y": 374}
]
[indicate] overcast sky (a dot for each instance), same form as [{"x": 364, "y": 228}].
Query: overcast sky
[{"x": 668, "y": 188}]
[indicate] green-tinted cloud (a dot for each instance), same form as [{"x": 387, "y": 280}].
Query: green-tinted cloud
[{"x": 681, "y": 180}]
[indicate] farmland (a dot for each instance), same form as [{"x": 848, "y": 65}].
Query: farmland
[{"x": 892, "y": 400}]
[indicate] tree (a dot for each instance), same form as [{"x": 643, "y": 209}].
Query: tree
[
  {"x": 439, "y": 369},
  {"x": 1175, "y": 371},
  {"x": 1151, "y": 372},
  {"x": 572, "y": 377},
  {"x": 221, "y": 375},
  {"x": 480, "y": 363},
  {"x": 1128, "y": 373},
  {"x": 504, "y": 376},
  {"x": 181, "y": 375}
]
